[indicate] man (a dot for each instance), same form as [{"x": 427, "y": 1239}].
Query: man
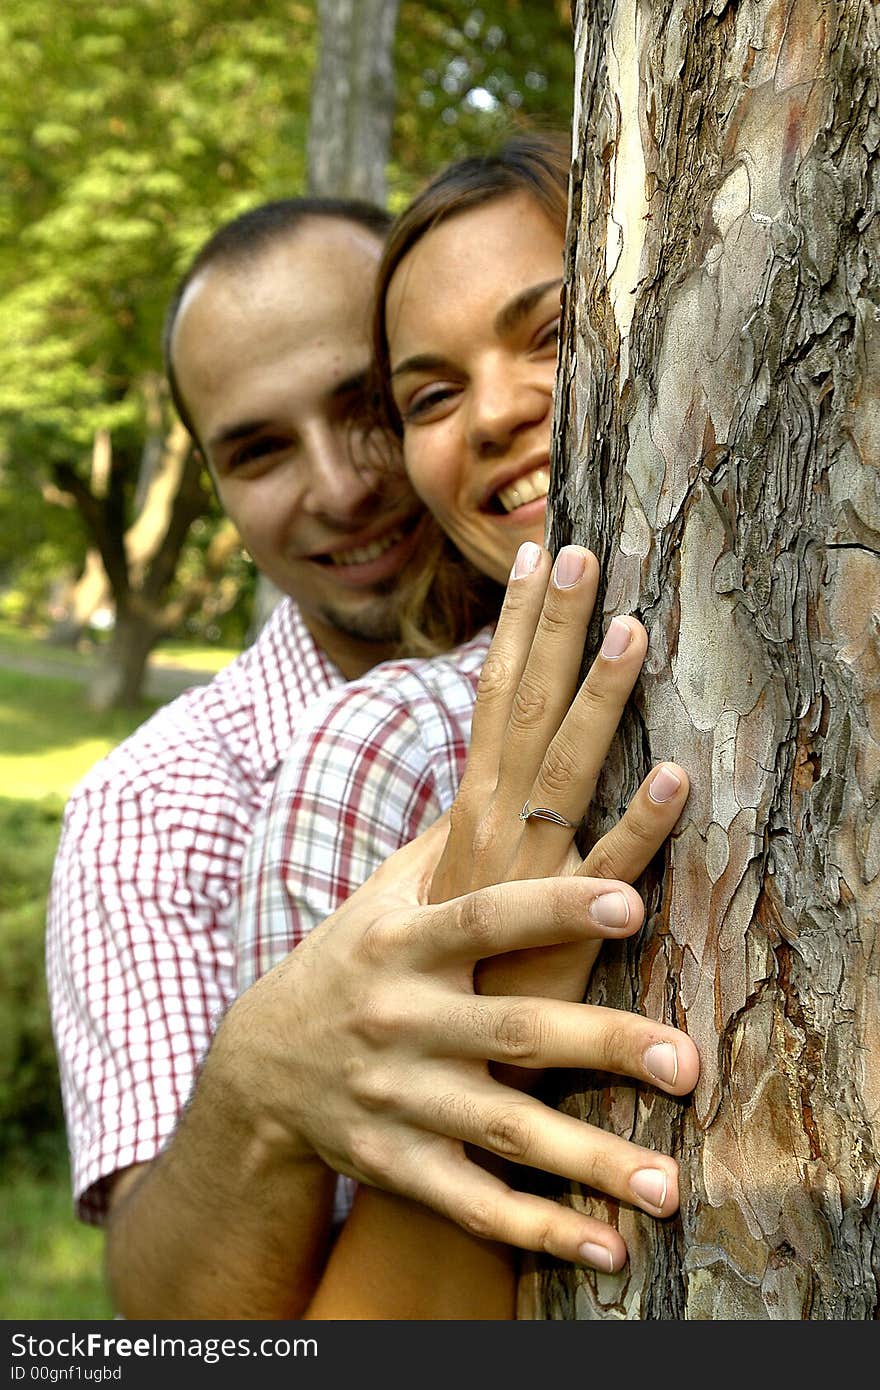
[
  {"x": 266, "y": 348},
  {"x": 217, "y": 1203}
]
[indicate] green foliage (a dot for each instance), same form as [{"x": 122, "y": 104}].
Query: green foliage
[
  {"x": 128, "y": 132},
  {"x": 30, "y": 1103},
  {"x": 51, "y": 1265},
  {"x": 471, "y": 71},
  {"x": 137, "y": 130}
]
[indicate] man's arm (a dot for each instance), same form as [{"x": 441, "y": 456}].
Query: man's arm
[{"x": 383, "y": 1078}]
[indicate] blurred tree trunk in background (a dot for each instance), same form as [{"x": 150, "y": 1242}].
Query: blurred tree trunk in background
[
  {"x": 350, "y": 120},
  {"x": 140, "y": 562},
  {"x": 719, "y": 409},
  {"x": 352, "y": 108}
]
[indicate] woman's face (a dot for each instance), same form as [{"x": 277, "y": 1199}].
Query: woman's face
[{"x": 472, "y": 317}]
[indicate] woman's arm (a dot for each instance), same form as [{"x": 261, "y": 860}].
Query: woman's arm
[{"x": 397, "y": 1260}]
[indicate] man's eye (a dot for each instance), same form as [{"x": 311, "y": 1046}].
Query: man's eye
[{"x": 256, "y": 450}]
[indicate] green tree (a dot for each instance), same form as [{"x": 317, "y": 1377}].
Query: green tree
[{"x": 127, "y": 133}]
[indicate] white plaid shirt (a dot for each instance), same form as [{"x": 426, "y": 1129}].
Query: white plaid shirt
[
  {"x": 140, "y": 926},
  {"x": 372, "y": 767}
]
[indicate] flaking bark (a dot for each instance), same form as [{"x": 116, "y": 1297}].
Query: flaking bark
[{"x": 719, "y": 418}]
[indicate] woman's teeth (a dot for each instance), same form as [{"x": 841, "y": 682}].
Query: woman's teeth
[
  {"x": 526, "y": 489},
  {"x": 362, "y": 553}
]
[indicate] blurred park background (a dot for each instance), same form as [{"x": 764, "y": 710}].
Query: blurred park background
[{"x": 128, "y": 133}]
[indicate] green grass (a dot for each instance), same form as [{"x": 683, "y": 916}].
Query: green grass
[
  {"x": 50, "y": 1264},
  {"x": 19, "y": 641},
  {"x": 48, "y": 738}
]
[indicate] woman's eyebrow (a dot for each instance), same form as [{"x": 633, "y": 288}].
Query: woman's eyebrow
[
  {"x": 522, "y": 305},
  {"x": 507, "y": 318},
  {"x": 421, "y": 362}
]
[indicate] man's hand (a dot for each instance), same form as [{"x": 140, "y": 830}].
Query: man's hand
[{"x": 369, "y": 1047}]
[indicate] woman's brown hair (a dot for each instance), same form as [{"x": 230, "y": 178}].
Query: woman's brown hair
[{"x": 448, "y": 599}]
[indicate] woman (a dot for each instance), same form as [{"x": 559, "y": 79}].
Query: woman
[{"x": 466, "y": 339}]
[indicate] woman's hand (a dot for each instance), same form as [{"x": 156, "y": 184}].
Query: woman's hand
[{"x": 536, "y": 744}]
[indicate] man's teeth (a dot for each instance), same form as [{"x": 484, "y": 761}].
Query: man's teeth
[
  {"x": 362, "y": 553},
  {"x": 524, "y": 490}
]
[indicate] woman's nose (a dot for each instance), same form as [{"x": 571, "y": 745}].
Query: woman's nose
[{"x": 502, "y": 404}]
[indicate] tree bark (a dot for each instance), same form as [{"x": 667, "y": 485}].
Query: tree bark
[
  {"x": 719, "y": 412},
  {"x": 352, "y": 105},
  {"x": 142, "y": 567}
]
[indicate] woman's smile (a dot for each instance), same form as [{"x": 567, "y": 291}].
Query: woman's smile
[{"x": 472, "y": 341}]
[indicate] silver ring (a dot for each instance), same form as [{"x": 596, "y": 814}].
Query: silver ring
[{"x": 544, "y": 813}]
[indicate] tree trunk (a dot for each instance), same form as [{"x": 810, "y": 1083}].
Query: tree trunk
[
  {"x": 352, "y": 106},
  {"x": 141, "y": 575},
  {"x": 118, "y": 679},
  {"x": 719, "y": 404}
]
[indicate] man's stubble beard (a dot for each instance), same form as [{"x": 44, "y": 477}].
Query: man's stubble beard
[{"x": 377, "y": 621}]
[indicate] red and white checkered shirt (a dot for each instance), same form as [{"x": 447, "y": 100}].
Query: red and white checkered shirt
[
  {"x": 140, "y": 927},
  {"x": 372, "y": 767}
]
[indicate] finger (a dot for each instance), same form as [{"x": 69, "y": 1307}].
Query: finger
[
  {"x": 520, "y": 1129},
  {"x": 442, "y": 1177},
  {"x": 626, "y": 850},
  {"x": 509, "y": 917},
  {"x": 566, "y": 779},
  {"x": 506, "y": 660},
  {"x": 539, "y": 1033},
  {"x": 549, "y": 680}
]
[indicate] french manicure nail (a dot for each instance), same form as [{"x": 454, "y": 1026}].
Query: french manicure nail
[
  {"x": 661, "y": 1062},
  {"x": 526, "y": 561},
  {"x": 599, "y": 1256},
  {"x": 570, "y": 564},
  {"x": 617, "y": 639},
  {"x": 663, "y": 785},
  {"x": 610, "y": 910},
  {"x": 649, "y": 1185}
]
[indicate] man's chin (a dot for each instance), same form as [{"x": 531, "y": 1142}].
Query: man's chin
[{"x": 376, "y": 621}]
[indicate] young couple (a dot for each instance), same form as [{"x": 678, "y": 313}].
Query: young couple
[{"x": 394, "y": 1038}]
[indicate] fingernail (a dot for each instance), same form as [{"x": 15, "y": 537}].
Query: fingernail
[
  {"x": 569, "y": 567},
  {"x": 597, "y": 1255},
  {"x": 526, "y": 561},
  {"x": 617, "y": 639},
  {"x": 661, "y": 1062},
  {"x": 610, "y": 910},
  {"x": 663, "y": 785},
  {"x": 649, "y": 1185}
]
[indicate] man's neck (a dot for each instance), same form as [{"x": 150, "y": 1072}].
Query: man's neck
[{"x": 352, "y": 655}]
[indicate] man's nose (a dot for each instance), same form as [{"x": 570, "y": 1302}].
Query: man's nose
[
  {"x": 337, "y": 485},
  {"x": 502, "y": 404}
]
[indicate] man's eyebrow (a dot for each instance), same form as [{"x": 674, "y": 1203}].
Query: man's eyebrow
[
  {"x": 522, "y": 305},
  {"x": 356, "y": 381},
  {"x": 243, "y": 430}
]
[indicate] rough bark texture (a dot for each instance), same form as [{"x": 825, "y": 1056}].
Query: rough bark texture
[
  {"x": 719, "y": 414},
  {"x": 353, "y": 98}
]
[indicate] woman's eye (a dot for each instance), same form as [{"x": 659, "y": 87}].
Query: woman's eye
[
  {"x": 549, "y": 335},
  {"x": 419, "y": 406}
]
